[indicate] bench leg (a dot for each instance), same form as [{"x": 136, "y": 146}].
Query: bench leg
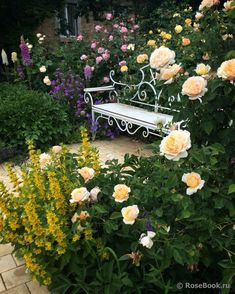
[{"x": 93, "y": 133}]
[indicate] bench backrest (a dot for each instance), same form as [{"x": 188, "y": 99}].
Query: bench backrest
[{"x": 143, "y": 94}]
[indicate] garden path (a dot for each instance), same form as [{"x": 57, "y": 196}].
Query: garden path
[{"x": 13, "y": 278}]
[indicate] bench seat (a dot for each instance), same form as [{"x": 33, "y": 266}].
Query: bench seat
[{"x": 134, "y": 115}]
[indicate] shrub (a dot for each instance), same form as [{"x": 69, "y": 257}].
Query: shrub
[
  {"x": 67, "y": 218},
  {"x": 27, "y": 114}
]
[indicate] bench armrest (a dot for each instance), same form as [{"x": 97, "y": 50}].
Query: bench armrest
[{"x": 99, "y": 89}]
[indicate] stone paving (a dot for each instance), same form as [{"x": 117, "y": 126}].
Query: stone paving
[{"x": 14, "y": 278}]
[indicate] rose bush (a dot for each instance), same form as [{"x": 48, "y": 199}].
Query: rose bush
[{"x": 140, "y": 226}]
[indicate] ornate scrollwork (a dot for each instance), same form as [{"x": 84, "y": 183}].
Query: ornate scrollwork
[{"x": 88, "y": 98}]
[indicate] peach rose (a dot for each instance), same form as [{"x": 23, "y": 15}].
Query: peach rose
[
  {"x": 186, "y": 41},
  {"x": 202, "y": 70},
  {"x": 87, "y": 173},
  {"x": 226, "y": 70},
  {"x": 129, "y": 214},
  {"x": 168, "y": 74},
  {"x": 193, "y": 181},
  {"x": 229, "y": 5},
  {"x": 47, "y": 81},
  {"x": 79, "y": 195},
  {"x": 161, "y": 57},
  {"x": 208, "y": 3},
  {"x": 121, "y": 193},
  {"x": 83, "y": 215},
  {"x": 175, "y": 145},
  {"x": 141, "y": 58},
  {"x": 44, "y": 159},
  {"x": 194, "y": 87},
  {"x": 56, "y": 149}
]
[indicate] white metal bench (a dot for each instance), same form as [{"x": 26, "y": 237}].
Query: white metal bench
[{"x": 130, "y": 114}]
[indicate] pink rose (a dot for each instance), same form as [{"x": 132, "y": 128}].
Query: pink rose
[
  {"x": 80, "y": 37},
  {"x": 135, "y": 27},
  {"x": 106, "y": 56},
  {"x": 110, "y": 38},
  {"x": 98, "y": 59},
  {"x": 123, "y": 62},
  {"x": 106, "y": 80},
  {"x": 84, "y": 57},
  {"x": 98, "y": 28},
  {"x": 124, "y": 30},
  {"x": 109, "y": 16},
  {"x": 124, "y": 48},
  {"x": 100, "y": 50},
  {"x": 116, "y": 26},
  {"x": 93, "y": 45},
  {"x": 122, "y": 24}
]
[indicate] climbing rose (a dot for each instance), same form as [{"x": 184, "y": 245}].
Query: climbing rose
[{"x": 193, "y": 181}]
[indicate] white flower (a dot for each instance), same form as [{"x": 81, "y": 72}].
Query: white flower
[
  {"x": 130, "y": 213},
  {"x": 75, "y": 218},
  {"x": 79, "y": 195},
  {"x": 146, "y": 240},
  {"x": 162, "y": 57},
  {"x": 44, "y": 159},
  {"x": 131, "y": 47},
  {"x": 56, "y": 149},
  {"x": 47, "y": 81},
  {"x": 198, "y": 15},
  {"x": 93, "y": 193},
  {"x": 4, "y": 57},
  {"x": 38, "y": 35},
  {"x": 43, "y": 68}
]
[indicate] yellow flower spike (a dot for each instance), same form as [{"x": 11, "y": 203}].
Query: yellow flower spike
[
  {"x": 88, "y": 234},
  {"x": 12, "y": 175},
  {"x": 55, "y": 192},
  {"x": 95, "y": 160},
  {"x": 85, "y": 146}
]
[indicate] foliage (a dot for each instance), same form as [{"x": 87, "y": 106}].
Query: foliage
[
  {"x": 97, "y": 252},
  {"x": 27, "y": 114}
]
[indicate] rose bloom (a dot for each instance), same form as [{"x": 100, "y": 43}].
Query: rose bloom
[
  {"x": 93, "y": 45},
  {"x": 168, "y": 36},
  {"x": 110, "y": 38},
  {"x": 188, "y": 21},
  {"x": 101, "y": 50},
  {"x": 186, "y": 41},
  {"x": 87, "y": 173},
  {"x": 38, "y": 35},
  {"x": 202, "y": 69},
  {"x": 109, "y": 16},
  {"x": 226, "y": 70},
  {"x": 106, "y": 56},
  {"x": 135, "y": 27},
  {"x": 116, "y": 26},
  {"x": 206, "y": 56},
  {"x": 229, "y": 5},
  {"x": 123, "y": 62},
  {"x": 106, "y": 80},
  {"x": 208, "y": 3},
  {"x": 142, "y": 58},
  {"x": 168, "y": 74},
  {"x": 75, "y": 218},
  {"x": 151, "y": 43},
  {"x": 94, "y": 193},
  {"x": 84, "y": 57},
  {"x": 124, "y": 48},
  {"x": 198, "y": 15},
  {"x": 130, "y": 213},
  {"x": 56, "y": 149},
  {"x": 146, "y": 240},
  {"x": 98, "y": 59},
  {"x": 79, "y": 195},
  {"x": 175, "y": 145},
  {"x": 47, "y": 81},
  {"x": 83, "y": 215},
  {"x": 194, "y": 87},
  {"x": 124, "y": 68},
  {"x": 123, "y": 30},
  {"x": 131, "y": 47},
  {"x": 193, "y": 181},
  {"x": 44, "y": 159},
  {"x": 161, "y": 57},
  {"x": 121, "y": 193},
  {"x": 43, "y": 68},
  {"x": 80, "y": 37},
  {"x": 98, "y": 28},
  {"x": 178, "y": 29}
]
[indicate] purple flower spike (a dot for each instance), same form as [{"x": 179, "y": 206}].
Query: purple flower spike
[
  {"x": 25, "y": 52},
  {"x": 149, "y": 226},
  {"x": 87, "y": 72}
]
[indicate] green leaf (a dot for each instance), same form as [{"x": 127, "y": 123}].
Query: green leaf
[
  {"x": 178, "y": 258},
  {"x": 100, "y": 209},
  {"x": 226, "y": 263},
  {"x": 115, "y": 215},
  {"x": 231, "y": 189}
]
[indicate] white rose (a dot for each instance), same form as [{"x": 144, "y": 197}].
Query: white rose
[
  {"x": 87, "y": 173},
  {"x": 161, "y": 57},
  {"x": 94, "y": 193},
  {"x": 47, "y": 81},
  {"x": 43, "y": 68},
  {"x": 79, "y": 195},
  {"x": 146, "y": 240},
  {"x": 44, "y": 159}
]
